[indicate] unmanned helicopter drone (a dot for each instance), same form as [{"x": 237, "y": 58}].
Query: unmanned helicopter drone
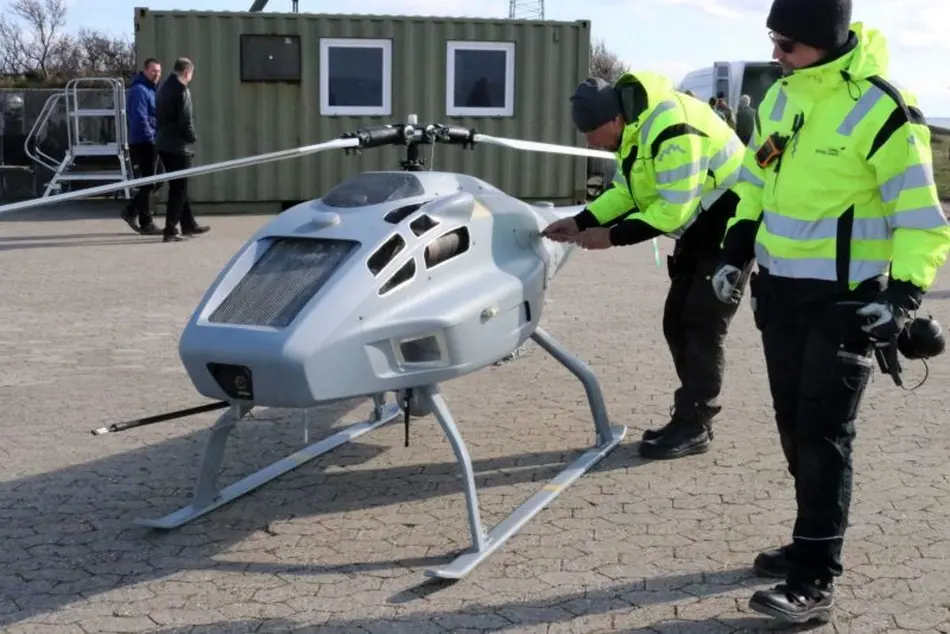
[{"x": 392, "y": 282}]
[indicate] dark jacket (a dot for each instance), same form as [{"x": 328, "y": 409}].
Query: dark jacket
[
  {"x": 140, "y": 110},
  {"x": 173, "y": 112},
  {"x": 745, "y": 123}
]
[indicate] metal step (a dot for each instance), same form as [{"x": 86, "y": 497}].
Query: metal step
[
  {"x": 106, "y": 149},
  {"x": 94, "y": 112},
  {"x": 91, "y": 176}
]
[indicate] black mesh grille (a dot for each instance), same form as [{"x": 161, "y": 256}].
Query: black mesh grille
[{"x": 282, "y": 281}]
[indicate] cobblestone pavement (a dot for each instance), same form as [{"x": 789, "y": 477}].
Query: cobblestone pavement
[{"x": 89, "y": 321}]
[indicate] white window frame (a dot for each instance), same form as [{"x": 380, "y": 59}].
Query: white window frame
[
  {"x": 326, "y": 43},
  {"x": 508, "y": 110}
]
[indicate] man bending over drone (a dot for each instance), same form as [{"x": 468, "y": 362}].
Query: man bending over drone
[{"x": 676, "y": 161}]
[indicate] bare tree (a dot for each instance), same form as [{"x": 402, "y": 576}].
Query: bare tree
[
  {"x": 34, "y": 44},
  {"x": 605, "y": 64},
  {"x": 31, "y": 36},
  {"x": 102, "y": 53}
]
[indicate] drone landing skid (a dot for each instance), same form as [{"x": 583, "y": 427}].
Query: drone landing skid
[{"x": 208, "y": 498}]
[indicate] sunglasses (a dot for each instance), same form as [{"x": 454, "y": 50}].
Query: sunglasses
[{"x": 785, "y": 45}]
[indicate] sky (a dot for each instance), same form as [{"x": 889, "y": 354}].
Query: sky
[{"x": 668, "y": 36}]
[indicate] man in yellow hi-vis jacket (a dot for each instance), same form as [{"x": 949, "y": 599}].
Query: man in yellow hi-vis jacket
[
  {"x": 676, "y": 162},
  {"x": 840, "y": 211}
]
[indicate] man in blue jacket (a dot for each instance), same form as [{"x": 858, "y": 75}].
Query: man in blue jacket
[{"x": 140, "y": 112}]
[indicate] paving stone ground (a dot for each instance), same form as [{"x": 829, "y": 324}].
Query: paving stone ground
[{"x": 89, "y": 321}]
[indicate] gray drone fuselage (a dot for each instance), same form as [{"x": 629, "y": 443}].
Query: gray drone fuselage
[{"x": 392, "y": 280}]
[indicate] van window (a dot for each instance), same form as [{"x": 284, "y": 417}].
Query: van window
[{"x": 757, "y": 79}]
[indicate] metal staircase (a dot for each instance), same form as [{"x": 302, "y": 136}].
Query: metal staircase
[{"x": 98, "y": 157}]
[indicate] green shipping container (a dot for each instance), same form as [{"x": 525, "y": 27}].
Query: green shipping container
[{"x": 272, "y": 81}]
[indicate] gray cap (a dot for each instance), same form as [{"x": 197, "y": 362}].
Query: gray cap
[{"x": 593, "y": 104}]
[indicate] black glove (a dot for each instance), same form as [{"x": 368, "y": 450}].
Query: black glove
[
  {"x": 890, "y": 310},
  {"x": 887, "y": 320}
]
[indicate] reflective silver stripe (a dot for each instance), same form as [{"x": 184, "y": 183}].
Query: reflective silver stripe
[
  {"x": 729, "y": 181},
  {"x": 702, "y": 205},
  {"x": 860, "y": 110},
  {"x": 778, "y": 110},
  {"x": 746, "y": 176},
  {"x": 678, "y": 233},
  {"x": 796, "y": 229},
  {"x": 720, "y": 158},
  {"x": 662, "y": 107},
  {"x": 921, "y": 218},
  {"x": 619, "y": 178},
  {"x": 817, "y": 268},
  {"x": 680, "y": 197},
  {"x": 911, "y": 178},
  {"x": 684, "y": 171},
  {"x": 708, "y": 200},
  {"x": 818, "y": 539}
]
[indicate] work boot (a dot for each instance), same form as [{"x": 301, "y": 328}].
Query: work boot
[
  {"x": 688, "y": 432},
  {"x": 197, "y": 230},
  {"x": 684, "y": 436},
  {"x": 796, "y": 603},
  {"x": 656, "y": 432},
  {"x": 773, "y": 563}
]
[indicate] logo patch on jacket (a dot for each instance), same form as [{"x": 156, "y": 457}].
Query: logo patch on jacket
[
  {"x": 831, "y": 151},
  {"x": 669, "y": 149}
]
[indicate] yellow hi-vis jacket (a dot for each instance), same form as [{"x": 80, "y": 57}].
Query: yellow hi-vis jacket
[
  {"x": 853, "y": 196},
  {"x": 675, "y": 153}
]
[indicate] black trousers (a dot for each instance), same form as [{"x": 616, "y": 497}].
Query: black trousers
[
  {"x": 695, "y": 324},
  {"x": 178, "y": 208},
  {"x": 819, "y": 364},
  {"x": 144, "y": 158}
]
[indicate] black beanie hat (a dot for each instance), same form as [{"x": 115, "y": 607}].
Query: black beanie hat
[
  {"x": 593, "y": 104},
  {"x": 824, "y": 24}
]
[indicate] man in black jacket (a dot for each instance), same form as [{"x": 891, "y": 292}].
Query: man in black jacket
[{"x": 174, "y": 138}]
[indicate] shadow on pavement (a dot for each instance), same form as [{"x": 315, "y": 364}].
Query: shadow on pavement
[
  {"x": 561, "y": 609},
  {"x": 69, "y": 535}
]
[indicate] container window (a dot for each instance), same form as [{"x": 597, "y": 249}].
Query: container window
[
  {"x": 480, "y": 79},
  {"x": 355, "y": 77},
  {"x": 270, "y": 57}
]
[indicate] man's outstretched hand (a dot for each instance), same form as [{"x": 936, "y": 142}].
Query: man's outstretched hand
[{"x": 563, "y": 230}]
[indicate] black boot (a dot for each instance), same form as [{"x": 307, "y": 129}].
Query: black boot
[
  {"x": 685, "y": 435},
  {"x": 796, "y": 603},
  {"x": 688, "y": 432},
  {"x": 656, "y": 432},
  {"x": 773, "y": 563},
  {"x": 129, "y": 216}
]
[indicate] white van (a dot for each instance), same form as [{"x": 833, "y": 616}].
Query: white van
[{"x": 733, "y": 79}]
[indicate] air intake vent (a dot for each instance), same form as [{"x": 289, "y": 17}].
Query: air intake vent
[
  {"x": 447, "y": 246},
  {"x": 385, "y": 254},
  {"x": 282, "y": 281},
  {"x": 401, "y": 213},
  {"x": 422, "y": 224},
  {"x": 403, "y": 275}
]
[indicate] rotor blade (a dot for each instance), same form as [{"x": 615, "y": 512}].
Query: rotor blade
[
  {"x": 535, "y": 146},
  {"x": 185, "y": 173}
]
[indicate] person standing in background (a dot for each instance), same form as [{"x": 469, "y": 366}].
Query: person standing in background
[
  {"x": 140, "y": 114},
  {"x": 176, "y": 134},
  {"x": 745, "y": 119}
]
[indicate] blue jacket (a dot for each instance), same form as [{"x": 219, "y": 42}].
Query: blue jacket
[{"x": 140, "y": 110}]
